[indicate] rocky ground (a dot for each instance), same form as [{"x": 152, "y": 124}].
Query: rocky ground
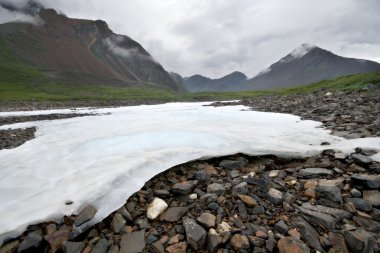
[{"x": 326, "y": 203}]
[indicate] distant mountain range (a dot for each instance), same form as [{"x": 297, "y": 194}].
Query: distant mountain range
[
  {"x": 78, "y": 51},
  {"x": 306, "y": 64}
]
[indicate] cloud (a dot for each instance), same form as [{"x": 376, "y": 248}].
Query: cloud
[{"x": 18, "y": 11}]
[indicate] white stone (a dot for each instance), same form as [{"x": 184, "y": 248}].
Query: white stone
[
  {"x": 193, "y": 196},
  {"x": 157, "y": 207}
]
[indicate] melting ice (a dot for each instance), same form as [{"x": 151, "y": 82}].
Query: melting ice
[{"x": 102, "y": 160}]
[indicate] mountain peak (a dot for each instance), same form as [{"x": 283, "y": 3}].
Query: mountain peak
[{"x": 302, "y": 50}]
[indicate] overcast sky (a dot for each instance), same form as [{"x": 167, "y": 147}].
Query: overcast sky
[{"x": 216, "y": 37}]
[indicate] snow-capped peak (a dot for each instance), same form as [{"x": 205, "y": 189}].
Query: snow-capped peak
[{"x": 301, "y": 50}]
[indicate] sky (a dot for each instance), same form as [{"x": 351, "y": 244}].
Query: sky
[{"x": 216, "y": 37}]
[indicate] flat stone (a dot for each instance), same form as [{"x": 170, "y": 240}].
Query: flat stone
[
  {"x": 184, "y": 187},
  {"x": 73, "y": 247},
  {"x": 216, "y": 188},
  {"x": 239, "y": 242},
  {"x": 277, "y": 174},
  {"x": 281, "y": 227},
  {"x": 360, "y": 241},
  {"x": 318, "y": 218},
  {"x": 155, "y": 208},
  {"x": 101, "y": 246},
  {"x": 174, "y": 214},
  {"x": 368, "y": 224},
  {"x": 113, "y": 249},
  {"x": 335, "y": 212},
  {"x": 330, "y": 192},
  {"x": 195, "y": 234},
  {"x": 315, "y": 172},
  {"x": 85, "y": 215},
  {"x": 339, "y": 156},
  {"x": 338, "y": 244},
  {"x": 247, "y": 200},
  {"x": 132, "y": 242},
  {"x": 214, "y": 241},
  {"x": 308, "y": 233},
  {"x": 207, "y": 220},
  {"x": 360, "y": 204},
  {"x": 362, "y": 159},
  {"x": 180, "y": 247},
  {"x": 231, "y": 165},
  {"x": 118, "y": 222},
  {"x": 292, "y": 245},
  {"x": 31, "y": 242},
  {"x": 158, "y": 247},
  {"x": 373, "y": 197},
  {"x": 275, "y": 196},
  {"x": 366, "y": 181},
  {"x": 233, "y": 173}
]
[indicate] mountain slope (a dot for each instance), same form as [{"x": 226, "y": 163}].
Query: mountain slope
[
  {"x": 198, "y": 83},
  {"x": 74, "y": 51},
  {"x": 308, "y": 64}
]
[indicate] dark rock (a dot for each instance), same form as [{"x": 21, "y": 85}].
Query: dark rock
[
  {"x": 241, "y": 188},
  {"x": 57, "y": 238},
  {"x": 368, "y": 224},
  {"x": 73, "y": 247},
  {"x": 338, "y": 244},
  {"x": 151, "y": 239},
  {"x": 216, "y": 188},
  {"x": 355, "y": 193},
  {"x": 173, "y": 214},
  {"x": 125, "y": 213},
  {"x": 261, "y": 183},
  {"x": 270, "y": 242},
  {"x": 31, "y": 243},
  {"x": 256, "y": 241},
  {"x": 214, "y": 241},
  {"x": 375, "y": 214},
  {"x": 202, "y": 176},
  {"x": 361, "y": 159},
  {"x": 315, "y": 172},
  {"x": 319, "y": 219},
  {"x": 207, "y": 199},
  {"x": 184, "y": 187},
  {"x": 292, "y": 245},
  {"x": 85, "y": 215},
  {"x": 308, "y": 232},
  {"x": 281, "y": 227},
  {"x": 373, "y": 197},
  {"x": 330, "y": 192},
  {"x": 233, "y": 173},
  {"x": 360, "y": 241},
  {"x": 101, "y": 246},
  {"x": 213, "y": 206},
  {"x": 231, "y": 165},
  {"x": 239, "y": 242},
  {"x": 337, "y": 213},
  {"x": 118, "y": 222},
  {"x": 360, "y": 204},
  {"x": 9, "y": 247},
  {"x": 207, "y": 220},
  {"x": 195, "y": 234},
  {"x": 243, "y": 213},
  {"x": 132, "y": 242},
  {"x": 258, "y": 210},
  {"x": 366, "y": 181},
  {"x": 275, "y": 196}
]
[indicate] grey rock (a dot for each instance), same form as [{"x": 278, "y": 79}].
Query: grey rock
[
  {"x": 239, "y": 242},
  {"x": 207, "y": 199},
  {"x": 214, "y": 241},
  {"x": 337, "y": 242},
  {"x": 319, "y": 219},
  {"x": 337, "y": 213},
  {"x": 270, "y": 242},
  {"x": 361, "y": 159},
  {"x": 213, "y": 206},
  {"x": 375, "y": 214},
  {"x": 85, "y": 215},
  {"x": 308, "y": 233},
  {"x": 216, "y": 188},
  {"x": 275, "y": 196},
  {"x": 315, "y": 172},
  {"x": 373, "y": 197},
  {"x": 125, "y": 213},
  {"x": 368, "y": 224},
  {"x": 202, "y": 176},
  {"x": 184, "y": 187},
  {"x": 30, "y": 243},
  {"x": 73, "y": 247},
  {"x": 207, "y": 220},
  {"x": 360, "y": 204},
  {"x": 118, "y": 222},
  {"x": 113, "y": 249},
  {"x": 366, "y": 181},
  {"x": 195, "y": 234},
  {"x": 241, "y": 188},
  {"x": 360, "y": 241},
  {"x": 158, "y": 247},
  {"x": 101, "y": 246},
  {"x": 231, "y": 165},
  {"x": 132, "y": 242},
  {"x": 174, "y": 214},
  {"x": 355, "y": 193},
  {"x": 277, "y": 174},
  {"x": 330, "y": 192},
  {"x": 281, "y": 227},
  {"x": 233, "y": 173}
]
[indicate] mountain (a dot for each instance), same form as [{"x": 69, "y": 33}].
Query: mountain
[
  {"x": 308, "y": 64},
  {"x": 198, "y": 83},
  {"x": 75, "y": 51}
]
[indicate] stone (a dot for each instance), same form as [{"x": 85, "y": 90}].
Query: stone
[
  {"x": 366, "y": 181},
  {"x": 216, "y": 188},
  {"x": 368, "y": 224},
  {"x": 319, "y": 219},
  {"x": 73, "y": 247},
  {"x": 155, "y": 208},
  {"x": 277, "y": 173},
  {"x": 315, "y": 172},
  {"x": 337, "y": 213},
  {"x": 247, "y": 200},
  {"x": 85, "y": 215},
  {"x": 330, "y": 192},
  {"x": 355, "y": 193},
  {"x": 233, "y": 173},
  {"x": 31, "y": 242},
  {"x": 339, "y": 156},
  {"x": 338, "y": 244},
  {"x": 292, "y": 245},
  {"x": 180, "y": 247},
  {"x": 158, "y": 247},
  {"x": 373, "y": 197},
  {"x": 275, "y": 196},
  {"x": 241, "y": 188},
  {"x": 193, "y": 196},
  {"x": 281, "y": 227},
  {"x": 57, "y": 238},
  {"x": 202, "y": 176},
  {"x": 118, "y": 222},
  {"x": 207, "y": 220},
  {"x": 213, "y": 206},
  {"x": 184, "y": 187},
  {"x": 113, "y": 249},
  {"x": 195, "y": 234},
  {"x": 361, "y": 159},
  {"x": 360, "y": 241},
  {"x": 308, "y": 233},
  {"x": 162, "y": 193},
  {"x": 360, "y": 204},
  {"x": 174, "y": 214},
  {"x": 126, "y": 214},
  {"x": 101, "y": 246},
  {"x": 270, "y": 242},
  {"x": 207, "y": 199},
  {"x": 239, "y": 242},
  {"x": 256, "y": 241},
  {"x": 9, "y": 247},
  {"x": 231, "y": 165},
  {"x": 132, "y": 242},
  {"x": 214, "y": 241}
]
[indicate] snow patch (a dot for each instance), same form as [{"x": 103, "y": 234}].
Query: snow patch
[
  {"x": 298, "y": 53},
  {"x": 102, "y": 160}
]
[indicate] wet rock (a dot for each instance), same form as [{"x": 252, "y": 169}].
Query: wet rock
[
  {"x": 373, "y": 197},
  {"x": 101, "y": 246},
  {"x": 292, "y": 245},
  {"x": 366, "y": 181},
  {"x": 239, "y": 242},
  {"x": 360, "y": 241},
  {"x": 216, "y": 188},
  {"x": 132, "y": 242},
  {"x": 330, "y": 192},
  {"x": 214, "y": 241},
  {"x": 31, "y": 243},
  {"x": 180, "y": 247},
  {"x": 231, "y": 165},
  {"x": 308, "y": 232},
  {"x": 85, "y": 215},
  {"x": 315, "y": 172},
  {"x": 155, "y": 208},
  {"x": 275, "y": 196},
  {"x": 360, "y": 204},
  {"x": 207, "y": 220},
  {"x": 174, "y": 214},
  {"x": 195, "y": 234},
  {"x": 73, "y": 247},
  {"x": 184, "y": 187},
  {"x": 118, "y": 222},
  {"x": 281, "y": 227}
]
